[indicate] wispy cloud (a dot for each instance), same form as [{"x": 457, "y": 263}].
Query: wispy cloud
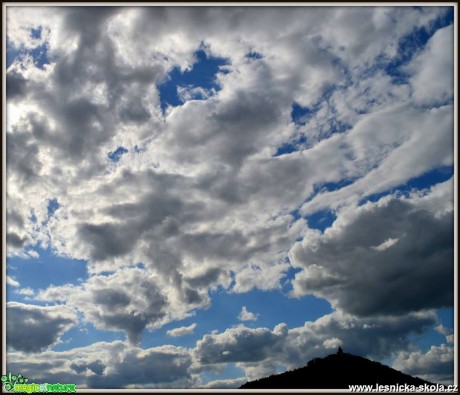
[{"x": 181, "y": 331}]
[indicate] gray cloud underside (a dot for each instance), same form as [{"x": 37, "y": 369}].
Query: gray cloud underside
[
  {"x": 258, "y": 351},
  {"x": 35, "y": 328},
  {"x": 354, "y": 266}
]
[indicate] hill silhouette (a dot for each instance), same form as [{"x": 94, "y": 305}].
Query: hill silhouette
[{"x": 336, "y": 371}]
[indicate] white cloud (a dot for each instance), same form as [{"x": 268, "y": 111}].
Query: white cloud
[
  {"x": 26, "y": 291},
  {"x": 226, "y": 383},
  {"x": 435, "y": 365},
  {"x": 386, "y": 244},
  {"x": 332, "y": 343},
  {"x": 246, "y": 315},
  {"x": 387, "y": 148},
  {"x": 181, "y": 331},
  {"x": 432, "y": 79},
  {"x": 12, "y": 282}
]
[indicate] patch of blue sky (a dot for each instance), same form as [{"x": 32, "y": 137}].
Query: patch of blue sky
[
  {"x": 53, "y": 205},
  {"x": 12, "y": 54},
  {"x": 39, "y": 54},
  {"x": 408, "y": 46},
  {"x": 296, "y": 214},
  {"x": 424, "y": 181},
  {"x": 36, "y": 33},
  {"x": 116, "y": 155},
  {"x": 300, "y": 115},
  {"x": 33, "y": 217},
  {"x": 286, "y": 282},
  {"x": 271, "y": 308},
  {"x": 293, "y": 146},
  {"x": 337, "y": 126},
  {"x": 333, "y": 186},
  {"x": 446, "y": 317},
  {"x": 230, "y": 371},
  {"x": 321, "y": 220},
  {"x": 201, "y": 75},
  {"x": 159, "y": 337},
  {"x": 254, "y": 55},
  {"x": 432, "y": 337},
  {"x": 86, "y": 334},
  {"x": 48, "y": 269}
]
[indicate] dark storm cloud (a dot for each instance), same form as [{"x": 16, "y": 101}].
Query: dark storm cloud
[
  {"x": 391, "y": 257},
  {"x": 106, "y": 240},
  {"x": 16, "y": 85},
  {"x": 15, "y": 240},
  {"x": 23, "y": 159},
  {"x": 34, "y": 328}
]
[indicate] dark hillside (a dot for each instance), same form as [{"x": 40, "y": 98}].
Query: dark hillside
[{"x": 334, "y": 372}]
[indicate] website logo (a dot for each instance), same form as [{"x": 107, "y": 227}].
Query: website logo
[{"x": 19, "y": 383}]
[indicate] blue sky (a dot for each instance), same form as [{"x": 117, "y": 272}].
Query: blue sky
[{"x": 214, "y": 200}]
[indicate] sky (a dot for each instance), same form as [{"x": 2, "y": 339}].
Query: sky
[{"x": 202, "y": 196}]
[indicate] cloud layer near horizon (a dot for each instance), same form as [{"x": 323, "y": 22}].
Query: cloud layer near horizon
[{"x": 202, "y": 197}]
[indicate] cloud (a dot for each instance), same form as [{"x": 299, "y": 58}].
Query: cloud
[
  {"x": 34, "y": 328},
  {"x": 431, "y": 82},
  {"x": 435, "y": 365},
  {"x": 11, "y": 281},
  {"x": 258, "y": 351},
  {"x": 385, "y": 149},
  {"x": 246, "y": 315},
  {"x": 386, "y": 244},
  {"x": 196, "y": 189},
  {"x": 238, "y": 344},
  {"x": 94, "y": 366},
  {"x": 393, "y": 278},
  {"x": 199, "y": 201},
  {"x": 110, "y": 303},
  {"x": 332, "y": 343},
  {"x": 181, "y": 331},
  {"x": 26, "y": 291},
  {"x": 226, "y": 383}
]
